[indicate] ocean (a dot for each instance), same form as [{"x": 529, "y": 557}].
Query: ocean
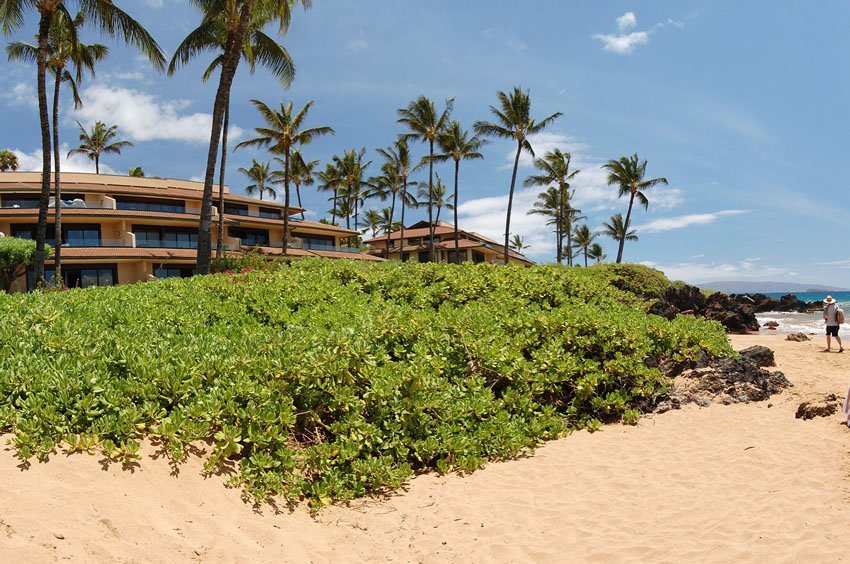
[{"x": 809, "y": 323}]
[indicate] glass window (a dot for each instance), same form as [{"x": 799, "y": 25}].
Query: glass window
[
  {"x": 317, "y": 241},
  {"x": 150, "y": 204},
  {"x": 423, "y": 256},
  {"x": 79, "y": 276},
  {"x": 166, "y": 271},
  {"x": 270, "y": 213},
  {"x": 250, "y": 237},
  {"x": 157, "y": 237},
  {"x": 477, "y": 257},
  {"x": 235, "y": 209}
]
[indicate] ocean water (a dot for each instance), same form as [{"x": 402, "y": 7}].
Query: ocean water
[{"x": 809, "y": 323}]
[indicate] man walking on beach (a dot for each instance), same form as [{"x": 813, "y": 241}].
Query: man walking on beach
[{"x": 829, "y": 310}]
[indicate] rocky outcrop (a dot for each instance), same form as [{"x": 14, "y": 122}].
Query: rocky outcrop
[
  {"x": 799, "y": 337},
  {"x": 788, "y": 303},
  {"x": 823, "y": 408},
  {"x": 735, "y": 317},
  {"x": 726, "y": 381}
]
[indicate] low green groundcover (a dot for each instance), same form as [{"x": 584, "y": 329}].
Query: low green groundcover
[{"x": 325, "y": 379}]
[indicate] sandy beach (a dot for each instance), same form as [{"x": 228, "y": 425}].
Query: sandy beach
[{"x": 746, "y": 482}]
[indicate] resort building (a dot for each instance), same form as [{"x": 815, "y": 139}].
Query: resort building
[
  {"x": 120, "y": 229},
  {"x": 471, "y": 246}
]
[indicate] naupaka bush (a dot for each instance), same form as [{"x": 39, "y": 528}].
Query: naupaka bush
[{"x": 329, "y": 379}]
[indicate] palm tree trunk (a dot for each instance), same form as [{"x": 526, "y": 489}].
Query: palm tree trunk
[
  {"x": 334, "y": 215},
  {"x": 390, "y": 226},
  {"x": 285, "y": 201},
  {"x": 569, "y": 234},
  {"x": 431, "y": 255},
  {"x": 230, "y": 62},
  {"x": 511, "y": 202},
  {"x": 298, "y": 193},
  {"x": 357, "y": 212},
  {"x": 44, "y": 198},
  {"x": 559, "y": 223},
  {"x": 625, "y": 229},
  {"x": 585, "y": 257},
  {"x": 403, "y": 205},
  {"x": 57, "y": 188},
  {"x": 219, "y": 251},
  {"x": 457, "y": 231}
]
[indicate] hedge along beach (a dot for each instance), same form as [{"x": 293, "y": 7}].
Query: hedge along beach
[{"x": 745, "y": 482}]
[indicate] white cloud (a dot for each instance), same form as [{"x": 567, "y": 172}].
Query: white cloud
[
  {"x": 697, "y": 273},
  {"x": 682, "y": 221},
  {"x": 357, "y": 45},
  {"x": 623, "y": 44},
  {"x": 31, "y": 162},
  {"x": 626, "y": 21},
  {"x": 22, "y": 93},
  {"x": 144, "y": 117},
  {"x": 155, "y": 3}
]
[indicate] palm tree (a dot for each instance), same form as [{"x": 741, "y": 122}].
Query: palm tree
[
  {"x": 8, "y": 160},
  {"x": 282, "y": 135},
  {"x": 583, "y": 240},
  {"x": 104, "y": 15},
  {"x": 618, "y": 231},
  {"x": 329, "y": 181},
  {"x": 262, "y": 175},
  {"x": 302, "y": 174},
  {"x": 514, "y": 121},
  {"x": 65, "y": 50},
  {"x": 457, "y": 145},
  {"x": 388, "y": 185},
  {"x": 518, "y": 244},
  {"x": 596, "y": 252},
  {"x": 397, "y": 162},
  {"x": 374, "y": 220},
  {"x": 257, "y": 47},
  {"x": 426, "y": 125},
  {"x": 97, "y": 142},
  {"x": 136, "y": 172},
  {"x": 627, "y": 173},
  {"x": 352, "y": 177},
  {"x": 555, "y": 169},
  {"x": 239, "y": 20}
]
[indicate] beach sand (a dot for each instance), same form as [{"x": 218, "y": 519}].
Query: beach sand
[{"x": 746, "y": 482}]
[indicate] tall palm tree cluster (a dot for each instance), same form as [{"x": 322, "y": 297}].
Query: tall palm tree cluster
[{"x": 234, "y": 31}]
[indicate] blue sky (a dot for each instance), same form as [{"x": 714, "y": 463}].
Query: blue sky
[{"x": 742, "y": 106}]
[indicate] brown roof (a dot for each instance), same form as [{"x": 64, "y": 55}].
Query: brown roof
[
  {"x": 127, "y": 253},
  {"x": 408, "y": 233},
  {"x": 187, "y": 194}
]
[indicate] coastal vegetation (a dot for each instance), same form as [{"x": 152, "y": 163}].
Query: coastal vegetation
[{"x": 325, "y": 380}]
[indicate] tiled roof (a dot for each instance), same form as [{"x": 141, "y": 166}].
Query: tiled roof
[{"x": 109, "y": 189}]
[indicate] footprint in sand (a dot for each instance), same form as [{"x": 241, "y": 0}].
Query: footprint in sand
[{"x": 111, "y": 528}]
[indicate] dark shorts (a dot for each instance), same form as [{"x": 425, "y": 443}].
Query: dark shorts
[{"x": 832, "y": 330}]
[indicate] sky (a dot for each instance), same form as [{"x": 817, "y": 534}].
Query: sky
[{"x": 742, "y": 106}]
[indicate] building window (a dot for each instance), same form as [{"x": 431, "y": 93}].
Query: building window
[
  {"x": 165, "y": 237},
  {"x": 79, "y": 276},
  {"x": 270, "y": 213},
  {"x": 174, "y": 271},
  {"x": 235, "y": 209},
  {"x": 150, "y": 204},
  {"x": 73, "y": 235},
  {"x": 405, "y": 257},
  {"x": 423, "y": 256},
  {"x": 317, "y": 242},
  {"x": 478, "y": 257},
  {"x": 457, "y": 257},
  {"x": 250, "y": 237}
]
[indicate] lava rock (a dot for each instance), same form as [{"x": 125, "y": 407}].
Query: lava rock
[
  {"x": 823, "y": 408},
  {"x": 762, "y": 356},
  {"x": 799, "y": 337}
]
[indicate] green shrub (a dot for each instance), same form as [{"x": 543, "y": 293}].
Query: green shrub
[{"x": 326, "y": 380}]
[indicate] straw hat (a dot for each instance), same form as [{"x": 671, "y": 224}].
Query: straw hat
[{"x": 829, "y": 300}]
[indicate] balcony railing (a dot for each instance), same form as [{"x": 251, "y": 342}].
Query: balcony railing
[
  {"x": 66, "y": 205},
  {"x": 299, "y": 244},
  {"x": 96, "y": 243}
]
